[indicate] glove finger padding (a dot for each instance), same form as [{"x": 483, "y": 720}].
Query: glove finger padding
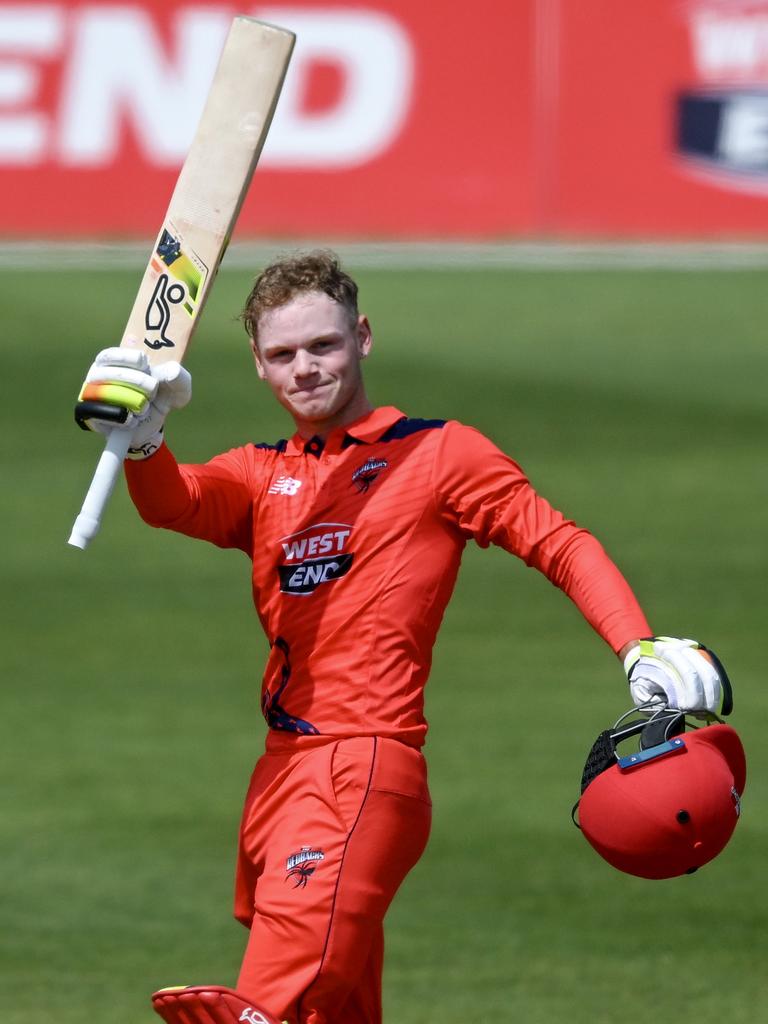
[
  {"x": 105, "y": 407},
  {"x": 726, "y": 690},
  {"x": 700, "y": 678},
  {"x": 123, "y": 391},
  {"x": 141, "y": 380},
  {"x": 651, "y": 681},
  {"x": 118, "y": 388},
  {"x": 680, "y": 674},
  {"x": 174, "y": 386},
  {"x": 117, "y": 356}
]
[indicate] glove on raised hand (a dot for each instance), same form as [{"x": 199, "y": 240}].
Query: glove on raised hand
[
  {"x": 679, "y": 674},
  {"x": 122, "y": 391}
]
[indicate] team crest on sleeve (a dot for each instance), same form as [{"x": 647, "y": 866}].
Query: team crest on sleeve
[
  {"x": 366, "y": 474},
  {"x": 301, "y": 866}
]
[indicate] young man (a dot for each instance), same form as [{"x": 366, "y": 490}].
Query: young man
[{"x": 355, "y": 527}]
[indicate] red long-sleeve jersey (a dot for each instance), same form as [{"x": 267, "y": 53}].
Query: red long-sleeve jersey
[{"x": 356, "y": 543}]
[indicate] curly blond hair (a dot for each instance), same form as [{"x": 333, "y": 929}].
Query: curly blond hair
[{"x": 316, "y": 271}]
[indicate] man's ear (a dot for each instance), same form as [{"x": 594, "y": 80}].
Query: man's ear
[
  {"x": 257, "y": 360},
  {"x": 364, "y": 336}
]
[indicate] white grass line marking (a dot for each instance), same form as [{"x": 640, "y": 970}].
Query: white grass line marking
[{"x": 566, "y": 256}]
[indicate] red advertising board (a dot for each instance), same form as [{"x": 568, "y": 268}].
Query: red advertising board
[
  {"x": 662, "y": 121},
  {"x": 397, "y": 118},
  {"x": 400, "y": 118}
]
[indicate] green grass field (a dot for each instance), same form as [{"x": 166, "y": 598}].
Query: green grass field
[{"x": 637, "y": 403}]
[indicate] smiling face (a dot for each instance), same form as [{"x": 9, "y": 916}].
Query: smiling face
[{"x": 309, "y": 352}]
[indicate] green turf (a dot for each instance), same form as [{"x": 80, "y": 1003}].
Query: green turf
[{"x": 637, "y": 402}]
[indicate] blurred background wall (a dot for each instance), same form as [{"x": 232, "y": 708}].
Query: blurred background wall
[{"x": 405, "y": 119}]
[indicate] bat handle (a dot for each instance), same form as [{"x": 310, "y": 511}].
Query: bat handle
[{"x": 87, "y": 524}]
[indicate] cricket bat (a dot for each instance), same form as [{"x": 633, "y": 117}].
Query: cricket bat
[{"x": 204, "y": 206}]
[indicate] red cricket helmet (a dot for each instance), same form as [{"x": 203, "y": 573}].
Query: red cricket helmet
[{"x": 669, "y": 808}]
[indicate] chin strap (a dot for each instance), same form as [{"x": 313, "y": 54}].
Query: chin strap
[{"x": 208, "y": 1004}]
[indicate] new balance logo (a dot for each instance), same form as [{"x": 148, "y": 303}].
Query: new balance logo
[{"x": 284, "y": 485}]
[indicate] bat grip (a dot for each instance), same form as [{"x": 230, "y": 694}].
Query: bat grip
[{"x": 87, "y": 524}]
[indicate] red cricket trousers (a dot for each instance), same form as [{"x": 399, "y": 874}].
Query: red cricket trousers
[{"x": 330, "y": 829}]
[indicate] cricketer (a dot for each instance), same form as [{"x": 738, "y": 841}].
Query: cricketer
[{"x": 355, "y": 527}]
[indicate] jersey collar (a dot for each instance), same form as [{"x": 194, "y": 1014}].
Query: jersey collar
[
  {"x": 370, "y": 428},
  {"x": 367, "y": 430}
]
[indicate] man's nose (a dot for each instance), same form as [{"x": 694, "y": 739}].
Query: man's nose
[{"x": 304, "y": 364}]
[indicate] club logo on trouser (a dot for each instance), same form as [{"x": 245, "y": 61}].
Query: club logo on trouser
[{"x": 301, "y": 866}]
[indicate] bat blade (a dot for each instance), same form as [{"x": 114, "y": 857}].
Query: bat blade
[
  {"x": 210, "y": 189},
  {"x": 202, "y": 212}
]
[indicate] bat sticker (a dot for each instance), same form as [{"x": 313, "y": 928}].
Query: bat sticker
[
  {"x": 180, "y": 281},
  {"x": 168, "y": 248},
  {"x": 158, "y": 314}
]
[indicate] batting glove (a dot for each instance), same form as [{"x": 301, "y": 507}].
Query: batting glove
[
  {"x": 122, "y": 391},
  {"x": 680, "y": 674}
]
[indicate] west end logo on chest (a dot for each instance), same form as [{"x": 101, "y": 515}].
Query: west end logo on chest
[{"x": 315, "y": 555}]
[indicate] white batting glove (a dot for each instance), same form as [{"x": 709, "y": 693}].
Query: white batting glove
[
  {"x": 680, "y": 674},
  {"x": 122, "y": 391}
]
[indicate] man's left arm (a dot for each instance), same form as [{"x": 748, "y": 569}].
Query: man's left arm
[
  {"x": 488, "y": 495},
  {"x": 661, "y": 670}
]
